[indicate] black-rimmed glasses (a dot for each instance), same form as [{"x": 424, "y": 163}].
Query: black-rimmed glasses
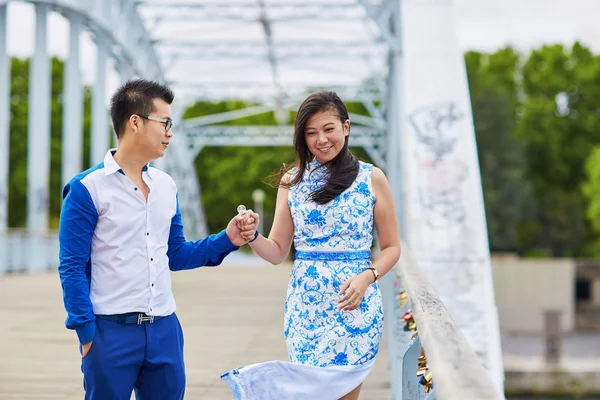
[{"x": 168, "y": 123}]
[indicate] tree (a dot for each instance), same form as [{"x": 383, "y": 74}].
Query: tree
[
  {"x": 19, "y": 107},
  {"x": 558, "y": 127},
  {"x": 494, "y": 93},
  {"x": 591, "y": 188}
]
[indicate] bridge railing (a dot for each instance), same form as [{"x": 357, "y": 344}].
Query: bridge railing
[
  {"x": 22, "y": 251},
  {"x": 455, "y": 370}
]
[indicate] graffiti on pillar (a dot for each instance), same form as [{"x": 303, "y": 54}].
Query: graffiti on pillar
[
  {"x": 448, "y": 239},
  {"x": 442, "y": 171},
  {"x": 439, "y": 194}
]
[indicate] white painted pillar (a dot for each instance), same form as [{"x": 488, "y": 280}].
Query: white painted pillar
[
  {"x": 398, "y": 339},
  {"x": 126, "y": 12},
  {"x": 125, "y": 71},
  {"x": 444, "y": 216},
  {"x": 100, "y": 127},
  {"x": 72, "y": 134},
  {"x": 38, "y": 151},
  {"x": 4, "y": 122},
  {"x": 38, "y": 154},
  {"x": 4, "y": 138}
]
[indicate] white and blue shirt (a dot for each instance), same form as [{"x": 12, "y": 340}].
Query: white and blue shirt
[{"x": 117, "y": 248}]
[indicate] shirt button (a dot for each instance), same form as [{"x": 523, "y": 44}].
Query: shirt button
[
  {"x": 150, "y": 309},
  {"x": 152, "y": 259},
  {"x": 153, "y": 285},
  {"x": 134, "y": 188},
  {"x": 147, "y": 233}
]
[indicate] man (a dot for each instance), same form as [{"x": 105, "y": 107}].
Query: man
[{"x": 120, "y": 233}]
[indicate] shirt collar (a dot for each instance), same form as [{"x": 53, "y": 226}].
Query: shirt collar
[
  {"x": 314, "y": 164},
  {"x": 316, "y": 170},
  {"x": 111, "y": 166},
  {"x": 150, "y": 170}
]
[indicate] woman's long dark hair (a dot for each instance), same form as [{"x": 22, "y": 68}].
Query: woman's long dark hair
[{"x": 343, "y": 168}]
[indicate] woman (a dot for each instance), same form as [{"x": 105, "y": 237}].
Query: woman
[{"x": 327, "y": 204}]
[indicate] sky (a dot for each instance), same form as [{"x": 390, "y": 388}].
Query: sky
[
  {"x": 484, "y": 25},
  {"x": 489, "y": 24}
]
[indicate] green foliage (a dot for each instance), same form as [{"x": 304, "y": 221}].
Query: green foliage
[
  {"x": 19, "y": 107},
  {"x": 229, "y": 175},
  {"x": 56, "y": 114},
  {"x": 492, "y": 82},
  {"x": 591, "y": 188},
  {"x": 536, "y": 124},
  {"x": 558, "y": 140}
]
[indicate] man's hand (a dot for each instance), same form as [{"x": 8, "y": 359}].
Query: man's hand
[
  {"x": 242, "y": 228},
  {"x": 85, "y": 348}
]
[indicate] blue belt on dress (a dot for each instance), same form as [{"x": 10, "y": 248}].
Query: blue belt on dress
[
  {"x": 333, "y": 255},
  {"x": 131, "y": 318}
]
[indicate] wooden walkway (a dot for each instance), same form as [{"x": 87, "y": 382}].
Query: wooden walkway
[{"x": 231, "y": 317}]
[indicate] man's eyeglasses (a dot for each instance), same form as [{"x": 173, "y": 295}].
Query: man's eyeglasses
[{"x": 168, "y": 123}]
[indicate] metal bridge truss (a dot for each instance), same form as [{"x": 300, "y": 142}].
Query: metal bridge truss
[
  {"x": 270, "y": 53},
  {"x": 372, "y": 140}
]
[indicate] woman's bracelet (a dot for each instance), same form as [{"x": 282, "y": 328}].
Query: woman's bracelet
[
  {"x": 255, "y": 236},
  {"x": 375, "y": 274}
]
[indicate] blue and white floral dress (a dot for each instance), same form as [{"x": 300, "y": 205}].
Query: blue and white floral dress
[{"x": 331, "y": 351}]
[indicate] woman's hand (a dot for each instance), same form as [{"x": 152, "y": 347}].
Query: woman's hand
[
  {"x": 248, "y": 224},
  {"x": 242, "y": 228},
  {"x": 354, "y": 289}
]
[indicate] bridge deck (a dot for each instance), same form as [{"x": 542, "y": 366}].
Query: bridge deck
[{"x": 231, "y": 316}]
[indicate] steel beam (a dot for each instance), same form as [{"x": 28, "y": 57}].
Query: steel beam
[
  {"x": 381, "y": 15},
  {"x": 4, "y": 118},
  {"x": 38, "y": 150},
  {"x": 372, "y": 140},
  {"x": 324, "y": 5},
  {"x": 130, "y": 47},
  {"x": 265, "y": 22},
  {"x": 100, "y": 127},
  {"x": 277, "y": 135},
  {"x": 250, "y": 13},
  {"x": 387, "y": 17},
  {"x": 234, "y": 45},
  {"x": 285, "y": 54},
  {"x": 124, "y": 71},
  {"x": 185, "y": 50},
  {"x": 72, "y": 134},
  {"x": 346, "y": 92},
  {"x": 249, "y": 17},
  {"x": 224, "y": 116}
]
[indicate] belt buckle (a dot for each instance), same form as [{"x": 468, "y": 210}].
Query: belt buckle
[{"x": 145, "y": 318}]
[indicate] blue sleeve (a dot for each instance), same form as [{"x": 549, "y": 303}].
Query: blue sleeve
[
  {"x": 78, "y": 220},
  {"x": 210, "y": 251}
]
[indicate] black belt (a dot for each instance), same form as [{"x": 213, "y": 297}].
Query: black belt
[{"x": 131, "y": 318}]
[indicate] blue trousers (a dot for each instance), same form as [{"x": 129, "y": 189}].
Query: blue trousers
[{"x": 145, "y": 357}]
